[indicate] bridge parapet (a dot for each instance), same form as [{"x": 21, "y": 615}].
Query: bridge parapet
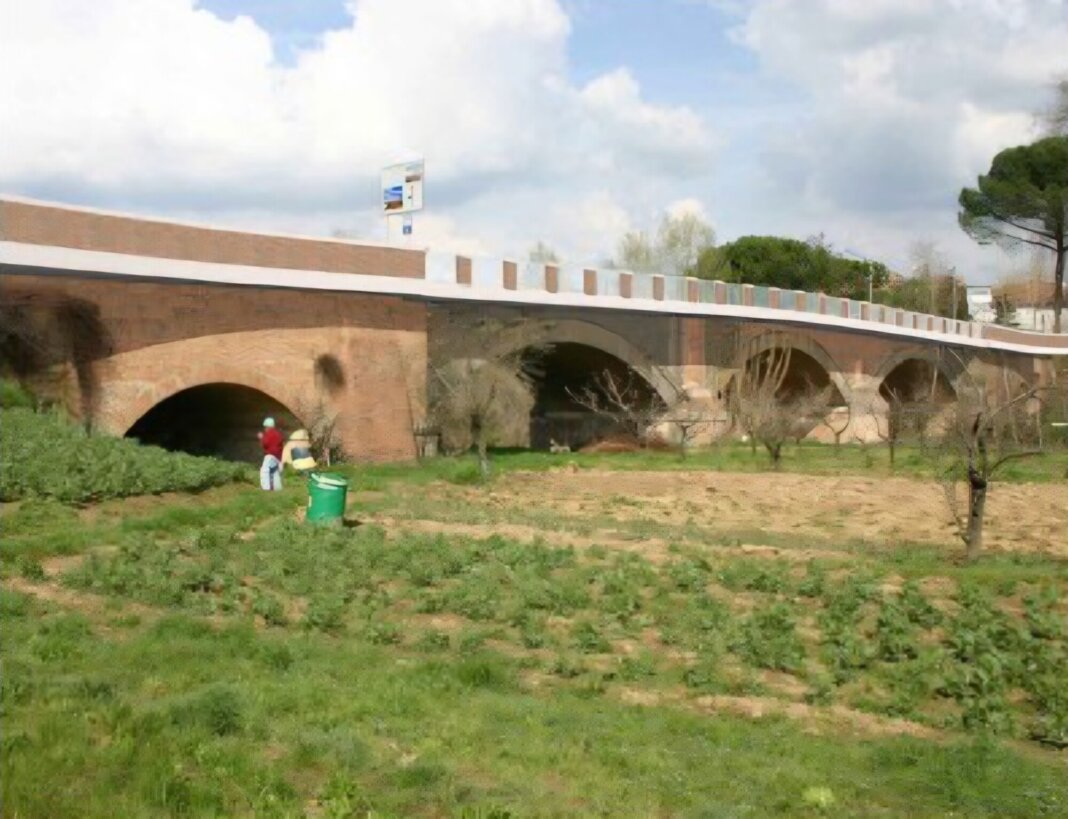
[
  {"x": 493, "y": 274},
  {"x": 45, "y": 235}
]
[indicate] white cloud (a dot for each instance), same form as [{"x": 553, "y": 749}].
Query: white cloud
[
  {"x": 688, "y": 206},
  {"x": 907, "y": 101},
  {"x": 159, "y": 105}
]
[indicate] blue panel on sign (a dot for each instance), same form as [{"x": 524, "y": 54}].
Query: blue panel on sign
[{"x": 406, "y": 230}]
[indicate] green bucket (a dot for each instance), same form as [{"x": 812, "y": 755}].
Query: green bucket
[{"x": 326, "y": 498}]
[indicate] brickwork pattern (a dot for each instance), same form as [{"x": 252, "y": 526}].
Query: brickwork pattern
[
  {"x": 62, "y": 227},
  {"x": 169, "y": 337}
]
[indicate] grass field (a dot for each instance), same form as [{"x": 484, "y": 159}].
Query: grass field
[{"x": 592, "y": 635}]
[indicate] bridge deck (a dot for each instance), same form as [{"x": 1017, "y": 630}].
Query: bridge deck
[{"x": 40, "y": 238}]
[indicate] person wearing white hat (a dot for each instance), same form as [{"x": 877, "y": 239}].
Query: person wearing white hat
[
  {"x": 271, "y": 470},
  {"x": 297, "y": 452}
]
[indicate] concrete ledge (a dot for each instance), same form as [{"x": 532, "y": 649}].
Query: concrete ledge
[{"x": 46, "y": 259}]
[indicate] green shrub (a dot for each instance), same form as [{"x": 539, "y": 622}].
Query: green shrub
[
  {"x": 588, "y": 638},
  {"x": 754, "y": 575},
  {"x": 465, "y": 474},
  {"x": 814, "y": 583},
  {"x": 218, "y": 708},
  {"x": 325, "y": 613},
  {"x": 382, "y": 632},
  {"x": 13, "y": 395},
  {"x": 270, "y": 609},
  {"x": 768, "y": 639},
  {"x": 485, "y": 671},
  {"x": 46, "y": 455},
  {"x": 31, "y": 569},
  {"x": 894, "y": 635},
  {"x": 917, "y": 608},
  {"x": 433, "y": 640}
]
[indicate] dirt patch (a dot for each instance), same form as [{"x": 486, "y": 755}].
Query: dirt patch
[
  {"x": 815, "y": 719},
  {"x": 654, "y": 549},
  {"x": 1020, "y": 517},
  {"x": 91, "y": 605}
]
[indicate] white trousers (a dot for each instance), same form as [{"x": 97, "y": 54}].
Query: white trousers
[{"x": 271, "y": 473}]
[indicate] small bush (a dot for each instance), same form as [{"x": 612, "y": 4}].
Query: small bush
[
  {"x": 768, "y": 639},
  {"x": 219, "y": 709},
  {"x": 31, "y": 569},
  {"x": 270, "y": 609},
  {"x": 383, "y": 633},
  {"x": 14, "y": 396},
  {"x": 485, "y": 671},
  {"x": 325, "y": 613},
  {"x": 588, "y": 638},
  {"x": 46, "y": 455},
  {"x": 894, "y": 635},
  {"x": 465, "y": 474},
  {"x": 433, "y": 640}
]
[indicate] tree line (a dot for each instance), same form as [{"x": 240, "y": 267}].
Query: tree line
[{"x": 1021, "y": 203}]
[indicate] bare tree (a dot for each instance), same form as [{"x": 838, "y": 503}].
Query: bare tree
[
  {"x": 628, "y": 403},
  {"x": 980, "y": 445},
  {"x": 765, "y": 406},
  {"x": 623, "y": 400},
  {"x": 476, "y": 400},
  {"x": 889, "y": 426},
  {"x": 690, "y": 418},
  {"x": 993, "y": 426},
  {"x": 837, "y": 424}
]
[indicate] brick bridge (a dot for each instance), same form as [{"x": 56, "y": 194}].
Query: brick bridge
[{"x": 205, "y": 330}]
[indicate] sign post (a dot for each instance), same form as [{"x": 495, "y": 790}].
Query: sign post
[{"x": 402, "y": 195}]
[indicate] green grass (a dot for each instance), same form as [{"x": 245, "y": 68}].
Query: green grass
[
  {"x": 807, "y": 458},
  {"x": 43, "y": 454},
  {"x": 184, "y": 718},
  {"x": 228, "y": 660}
]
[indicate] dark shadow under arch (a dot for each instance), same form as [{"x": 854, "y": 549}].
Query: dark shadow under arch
[
  {"x": 916, "y": 381},
  {"x": 803, "y": 374},
  {"x": 219, "y": 419},
  {"x": 564, "y": 370}
]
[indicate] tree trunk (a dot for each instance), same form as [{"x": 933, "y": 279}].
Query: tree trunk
[
  {"x": 478, "y": 434},
  {"x": 976, "y": 508},
  {"x": 1058, "y": 287},
  {"x": 893, "y": 446},
  {"x": 775, "y": 451}
]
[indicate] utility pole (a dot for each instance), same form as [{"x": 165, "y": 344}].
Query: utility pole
[{"x": 953, "y": 276}]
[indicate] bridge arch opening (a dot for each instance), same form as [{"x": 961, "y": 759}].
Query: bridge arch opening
[
  {"x": 219, "y": 419},
  {"x": 565, "y": 373},
  {"x": 803, "y": 374},
  {"x": 921, "y": 393},
  {"x": 916, "y": 380},
  {"x": 798, "y": 374}
]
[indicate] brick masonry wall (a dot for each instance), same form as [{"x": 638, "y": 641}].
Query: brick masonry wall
[
  {"x": 168, "y": 337},
  {"x": 62, "y": 227}
]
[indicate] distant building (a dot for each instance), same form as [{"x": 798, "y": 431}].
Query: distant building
[
  {"x": 981, "y": 303},
  {"x": 1030, "y": 305}
]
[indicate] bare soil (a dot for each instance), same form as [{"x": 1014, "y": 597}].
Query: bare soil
[{"x": 881, "y": 511}]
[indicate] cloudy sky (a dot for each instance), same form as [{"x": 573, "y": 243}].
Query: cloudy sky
[{"x": 568, "y": 121}]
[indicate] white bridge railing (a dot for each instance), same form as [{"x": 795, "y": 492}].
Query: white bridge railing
[{"x": 503, "y": 275}]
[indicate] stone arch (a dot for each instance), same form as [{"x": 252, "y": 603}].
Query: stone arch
[
  {"x": 134, "y": 382},
  {"x": 951, "y": 368},
  {"x": 771, "y": 339},
  {"x": 215, "y": 418},
  {"x": 569, "y": 331}
]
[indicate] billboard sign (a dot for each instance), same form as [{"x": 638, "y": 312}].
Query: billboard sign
[{"x": 402, "y": 187}]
